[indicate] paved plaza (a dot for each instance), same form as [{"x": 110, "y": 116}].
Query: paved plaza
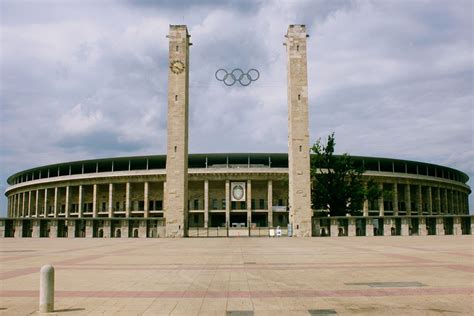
[{"x": 254, "y": 276}]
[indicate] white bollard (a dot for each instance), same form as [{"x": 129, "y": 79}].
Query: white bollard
[{"x": 46, "y": 301}]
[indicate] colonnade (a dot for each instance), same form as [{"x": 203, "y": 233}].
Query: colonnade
[
  {"x": 146, "y": 199},
  {"x": 405, "y": 198}
]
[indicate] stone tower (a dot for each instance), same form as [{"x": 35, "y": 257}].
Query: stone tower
[
  {"x": 298, "y": 132},
  {"x": 176, "y": 195}
]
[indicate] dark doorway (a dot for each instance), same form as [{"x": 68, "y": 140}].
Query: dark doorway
[
  {"x": 238, "y": 219},
  {"x": 44, "y": 228},
  {"x": 448, "y": 225},
  {"x": 9, "y": 228},
  {"x": 431, "y": 226},
  {"x": 260, "y": 219},
  {"x": 80, "y": 228},
  {"x": 360, "y": 227},
  {"x": 27, "y": 230},
  {"x": 217, "y": 220},
  {"x": 62, "y": 228},
  {"x": 466, "y": 225}
]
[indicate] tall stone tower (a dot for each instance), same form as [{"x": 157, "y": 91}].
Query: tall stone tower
[
  {"x": 298, "y": 132},
  {"x": 176, "y": 195}
]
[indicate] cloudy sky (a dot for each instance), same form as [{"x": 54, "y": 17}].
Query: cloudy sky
[{"x": 88, "y": 79}]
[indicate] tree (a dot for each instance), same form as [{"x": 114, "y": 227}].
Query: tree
[{"x": 337, "y": 181}]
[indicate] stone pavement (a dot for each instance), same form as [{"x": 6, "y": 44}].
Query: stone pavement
[{"x": 228, "y": 276}]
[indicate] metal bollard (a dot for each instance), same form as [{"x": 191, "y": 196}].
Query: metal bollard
[{"x": 46, "y": 301}]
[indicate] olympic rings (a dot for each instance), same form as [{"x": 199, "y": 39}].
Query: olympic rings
[{"x": 237, "y": 74}]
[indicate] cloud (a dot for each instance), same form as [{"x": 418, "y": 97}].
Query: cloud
[
  {"x": 85, "y": 80},
  {"x": 78, "y": 121}
]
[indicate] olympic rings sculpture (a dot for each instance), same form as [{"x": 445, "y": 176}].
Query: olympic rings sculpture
[{"x": 237, "y": 74}]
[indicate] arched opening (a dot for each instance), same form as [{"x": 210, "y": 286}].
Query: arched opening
[
  {"x": 118, "y": 233},
  {"x": 101, "y": 233},
  {"x": 135, "y": 233}
]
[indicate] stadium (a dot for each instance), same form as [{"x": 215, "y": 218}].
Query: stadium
[
  {"x": 235, "y": 194},
  {"x": 124, "y": 197}
]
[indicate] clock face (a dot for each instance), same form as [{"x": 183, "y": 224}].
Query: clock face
[
  {"x": 238, "y": 192},
  {"x": 177, "y": 66}
]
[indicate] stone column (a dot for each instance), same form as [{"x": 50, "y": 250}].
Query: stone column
[
  {"x": 89, "y": 229},
  {"x": 142, "y": 229},
  {"x": 15, "y": 209},
  {"x": 456, "y": 202},
  {"x": 55, "y": 202},
  {"x": 369, "y": 227},
  {"x": 395, "y": 198},
  {"x": 457, "y": 226},
  {"x": 125, "y": 228},
  {"x": 438, "y": 200},
  {"x": 422, "y": 227},
  {"x": 227, "y": 202},
  {"x": 351, "y": 228},
  {"x": 107, "y": 228},
  {"x": 334, "y": 228},
  {"x": 298, "y": 133},
  {"x": 365, "y": 208},
  {"x": 71, "y": 228},
  {"x": 127, "y": 201},
  {"x": 13, "y": 205},
  {"x": 79, "y": 202},
  {"x": 405, "y": 227},
  {"x": 18, "y": 224},
  {"x": 67, "y": 203},
  {"x": 94, "y": 201},
  {"x": 18, "y": 212},
  {"x": 164, "y": 198},
  {"x": 451, "y": 202},
  {"x": 206, "y": 203},
  {"x": 381, "y": 206},
  {"x": 45, "y": 214},
  {"x": 419, "y": 197},
  {"x": 444, "y": 198},
  {"x": 270, "y": 203},
  {"x": 29, "y": 204},
  {"x": 430, "y": 200},
  {"x": 146, "y": 199},
  {"x": 439, "y": 226},
  {"x": 408, "y": 198},
  {"x": 249, "y": 203},
  {"x": 36, "y": 229},
  {"x": 37, "y": 204},
  {"x": 387, "y": 227},
  {"x": 12, "y": 211},
  {"x": 111, "y": 201},
  {"x": 23, "y": 198},
  {"x": 53, "y": 233},
  {"x": 9, "y": 207}
]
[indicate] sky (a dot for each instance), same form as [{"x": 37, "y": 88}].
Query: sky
[{"x": 88, "y": 79}]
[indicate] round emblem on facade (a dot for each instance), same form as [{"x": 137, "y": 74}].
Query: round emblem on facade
[
  {"x": 238, "y": 192},
  {"x": 177, "y": 66}
]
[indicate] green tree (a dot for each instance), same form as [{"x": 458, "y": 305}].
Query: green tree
[{"x": 337, "y": 181}]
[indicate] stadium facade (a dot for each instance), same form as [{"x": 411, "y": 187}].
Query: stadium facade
[{"x": 177, "y": 194}]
